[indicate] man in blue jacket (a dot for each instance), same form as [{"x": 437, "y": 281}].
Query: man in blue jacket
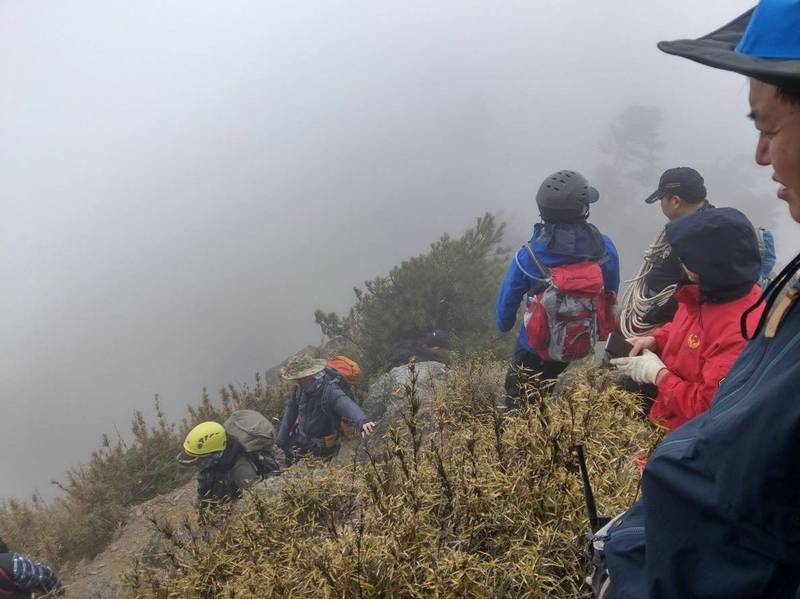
[
  {"x": 562, "y": 237},
  {"x": 719, "y": 515}
]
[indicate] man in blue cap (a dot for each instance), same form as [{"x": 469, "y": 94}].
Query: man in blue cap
[{"x": 720, "y": 510}]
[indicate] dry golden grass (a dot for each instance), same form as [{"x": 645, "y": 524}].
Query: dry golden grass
[
  {"x": 96, "y": 497},
  {"x": 483, "y": 503}
]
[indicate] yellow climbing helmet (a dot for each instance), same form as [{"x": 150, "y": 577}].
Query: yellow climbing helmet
[{"x": 203, "y": 440}]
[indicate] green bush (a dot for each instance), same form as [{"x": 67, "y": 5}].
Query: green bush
[{"x": 451, "y": 287}]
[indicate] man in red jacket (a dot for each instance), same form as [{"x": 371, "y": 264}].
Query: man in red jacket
[{"x": 688, "y": 357}]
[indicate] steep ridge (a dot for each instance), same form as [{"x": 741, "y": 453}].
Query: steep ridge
[{"x": 102, "y": 577}]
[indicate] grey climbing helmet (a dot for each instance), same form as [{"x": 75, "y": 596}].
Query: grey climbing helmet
[{"x": 566, "y": 190}]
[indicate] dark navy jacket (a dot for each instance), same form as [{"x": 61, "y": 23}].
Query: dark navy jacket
[
  {"x": 317, "y": 413},
  {"x": 225, "y": 480},
  {"x": 19, "y": 576},
  {"x": 719, "y": 516},
  {"x": 566, "y": 244}
]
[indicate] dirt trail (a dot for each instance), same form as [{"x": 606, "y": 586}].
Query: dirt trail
[{"x": 100, "y": 578}]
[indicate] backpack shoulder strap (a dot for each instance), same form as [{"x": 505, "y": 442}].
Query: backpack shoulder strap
[
  {"x": 335, "y": 421},
  {"x": 539, "y": 265},
  {"x": 325, "y": 399}
]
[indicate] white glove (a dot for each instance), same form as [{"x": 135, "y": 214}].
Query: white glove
[{"x": 642, "y": 369}]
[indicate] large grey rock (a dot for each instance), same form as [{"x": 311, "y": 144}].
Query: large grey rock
[{"x": 386, "y": 393}]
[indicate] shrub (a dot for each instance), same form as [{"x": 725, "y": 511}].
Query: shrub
[
  {"x": 452, "y": 287},
  {"x": 486, "y": 504}
]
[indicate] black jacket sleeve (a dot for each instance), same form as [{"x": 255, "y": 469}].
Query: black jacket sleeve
[
  {"x": 664, "y": 273},
  {"x": 661, "y": 314}
]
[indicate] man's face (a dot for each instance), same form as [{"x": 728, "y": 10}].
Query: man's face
[
  {"x": 675, "y": 206},
  {"x": 670, "y": 206},
  {"x": 778, "y": 123},
  {"x": 306, "y": 382}
]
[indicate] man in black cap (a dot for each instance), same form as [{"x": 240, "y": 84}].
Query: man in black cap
[
  {"x": 681, "y": 191},
  {"x": 719, "y": 514},
  {"x": 434, "y": 347},
  {"x": 648, "y": 301}
]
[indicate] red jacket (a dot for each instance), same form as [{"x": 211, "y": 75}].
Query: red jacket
[{"x": 699, "y": 346}]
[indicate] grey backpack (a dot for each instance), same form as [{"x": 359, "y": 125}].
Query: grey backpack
[{"x": 257, "y": 435}]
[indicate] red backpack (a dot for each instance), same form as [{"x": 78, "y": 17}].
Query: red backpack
[{"x": 571, "y": 313}]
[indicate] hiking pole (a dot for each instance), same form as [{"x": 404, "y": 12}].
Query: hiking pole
[{"x": 595, "y": 521}]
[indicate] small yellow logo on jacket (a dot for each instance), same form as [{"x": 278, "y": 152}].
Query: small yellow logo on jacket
[{"x": 693, "y": 341}]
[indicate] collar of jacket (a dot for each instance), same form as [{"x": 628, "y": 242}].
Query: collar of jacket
[
  {"x": 233, "y": 449},
  {"x": 581, "y": 240},
  {"x": 689, "y": 296}
]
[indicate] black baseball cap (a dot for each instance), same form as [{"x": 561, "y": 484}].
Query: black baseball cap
[{"x": 681, "y": 181}]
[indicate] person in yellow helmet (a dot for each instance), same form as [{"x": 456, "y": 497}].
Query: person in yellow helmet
[{"x": 224, "y": 467}]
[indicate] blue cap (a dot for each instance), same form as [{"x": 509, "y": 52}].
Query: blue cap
[
  {"x": 773, "y": 31},
  {"x": 763, "y": 43}
]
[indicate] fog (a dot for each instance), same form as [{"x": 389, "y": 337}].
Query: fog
[{"x": 183, "y": 183}]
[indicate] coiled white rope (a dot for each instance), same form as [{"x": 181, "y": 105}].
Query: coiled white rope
[{"x": 637, "y": 301}]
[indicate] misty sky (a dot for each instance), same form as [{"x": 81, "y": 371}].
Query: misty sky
[{"x": 182, "y": 183}]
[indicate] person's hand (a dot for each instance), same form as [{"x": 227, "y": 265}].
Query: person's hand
[
  {"x": 366, "y": 428},
  {"x": 642, "y": 343},
  {"x": 642, "y": 369}
]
